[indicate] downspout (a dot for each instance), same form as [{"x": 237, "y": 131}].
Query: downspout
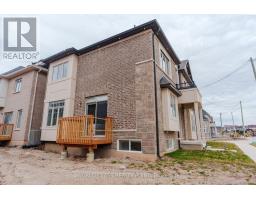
[
  {"x": 33, "y": 103},
  {"x": 156, "y": 103}
]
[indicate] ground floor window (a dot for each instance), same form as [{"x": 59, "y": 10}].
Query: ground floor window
[
  {"x": 170, "y": 144},
  {"x": 19, "y": 117},
  {"x": 7, "y": 117},
  {"x": 129, "y": 145},
  {"x": 55, "y": 111}
]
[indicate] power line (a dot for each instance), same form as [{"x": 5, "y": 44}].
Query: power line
[{"x": 224, "y": 77}]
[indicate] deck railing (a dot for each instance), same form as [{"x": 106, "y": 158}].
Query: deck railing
[
  {"x": 84, "y": 130},
  {"x": 6, "y": 132}
]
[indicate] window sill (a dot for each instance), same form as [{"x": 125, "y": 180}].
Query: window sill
[
  {"x": 60, "y": 80},
  {"x": 127, "y": 151}
]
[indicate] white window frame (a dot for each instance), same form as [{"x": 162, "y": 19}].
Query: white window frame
[
  {"x": 172, "y": 142},
  {"x": 61, "y": 70},
  {"x": 9, "y": 114},
  {"x": 130, "y": 140},
  {"x": 166, "y": 65},
  {"x": 19, "y": 118},
  {"x": 58, "y": 107},
  {"x": 18, "y": 83},
  {"x": 173, "y": 105}
]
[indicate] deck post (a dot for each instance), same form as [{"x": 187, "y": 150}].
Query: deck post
[
  {"x": 64, "y": 153},
  {"x": 90, "y": 154}
]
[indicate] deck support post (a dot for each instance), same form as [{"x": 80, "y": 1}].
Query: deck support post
[
  {"x": 90, "y": 154},
  {"x": 64, "y": 153}
]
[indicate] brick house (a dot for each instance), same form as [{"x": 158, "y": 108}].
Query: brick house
[
  {"x": 134, "y": 84},
  {"x": 21, "y": 105}
]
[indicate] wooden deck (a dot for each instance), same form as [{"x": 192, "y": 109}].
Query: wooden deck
[
  {"x": 81, "y": 130},
  {"x": 6, "y": 132}
]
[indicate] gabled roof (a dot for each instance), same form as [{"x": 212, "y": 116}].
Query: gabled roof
[
  {"x": 21, "y": 70},
  {"x": 12, "y": 71},
  {"x": 153, "y": 25},
  {"x": 184, "y": 67}
]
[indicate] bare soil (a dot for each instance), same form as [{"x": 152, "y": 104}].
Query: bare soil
[{"x": 31, "y": 166}]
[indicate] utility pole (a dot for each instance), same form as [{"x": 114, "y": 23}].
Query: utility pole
[
  {"x": 234, "y": 128},
  {"x": 242, "y": 116},
  {"x": 221, "y": 120},
  {"x": 253, "y": 67}
]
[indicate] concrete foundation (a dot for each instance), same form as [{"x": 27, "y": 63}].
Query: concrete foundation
[
  {"x": 192, "y": 145},
  {"x": 90, "y": 155},
  {"x": 72, "y": 151},
  {"x": 63, "y": 155}
]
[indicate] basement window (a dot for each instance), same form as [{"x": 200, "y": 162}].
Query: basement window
[
  {"x": 129, "y": 145},
  {"x": 170, "y": 144}
]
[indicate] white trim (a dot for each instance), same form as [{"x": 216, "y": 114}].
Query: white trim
[
  {"x": 139, "y": 140},
  {"x": 96, "y": 99},
  {"x": 124, "y": 130},
  {"x": 144, "y": 61}
]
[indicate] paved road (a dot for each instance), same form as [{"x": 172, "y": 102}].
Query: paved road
[{"x": 245, "y": 146}]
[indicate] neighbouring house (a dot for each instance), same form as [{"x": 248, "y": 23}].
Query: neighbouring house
[
  {"x": 209, "y": 127},
  {"x": 190, "y": 109},
  {"x": 126, "y": 96},
  {"x": 21, "y": 104}
]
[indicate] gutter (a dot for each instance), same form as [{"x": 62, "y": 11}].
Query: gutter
[{"x": 156, "y": 103}]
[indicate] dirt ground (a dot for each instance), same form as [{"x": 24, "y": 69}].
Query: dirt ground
[{"x": 31, "y": 166}]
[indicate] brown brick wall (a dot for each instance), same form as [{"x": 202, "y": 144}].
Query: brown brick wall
[{"x": 124, "y": 72}]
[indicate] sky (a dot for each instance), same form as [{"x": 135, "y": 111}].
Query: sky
[{"x": 215, "y": 45}]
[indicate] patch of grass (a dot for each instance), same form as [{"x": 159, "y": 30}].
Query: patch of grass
[
  {"x": 116, "y": 162},
  {"x": 223, "y": 145},
  {"x": 222, "y": 156}
]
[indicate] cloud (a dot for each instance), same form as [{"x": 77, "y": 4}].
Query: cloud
[{"x": 214, "y": 44}]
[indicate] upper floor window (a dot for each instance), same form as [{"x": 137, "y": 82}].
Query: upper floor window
[
  {"x": 19, "y": 117},
  {"x": 18, "y": 85},
  {"x": 165, "y": 64},
  {"x": 55, "y": 111},
  {"x": 60, "y": 71},
  {"x": 173, "y": 105}
]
